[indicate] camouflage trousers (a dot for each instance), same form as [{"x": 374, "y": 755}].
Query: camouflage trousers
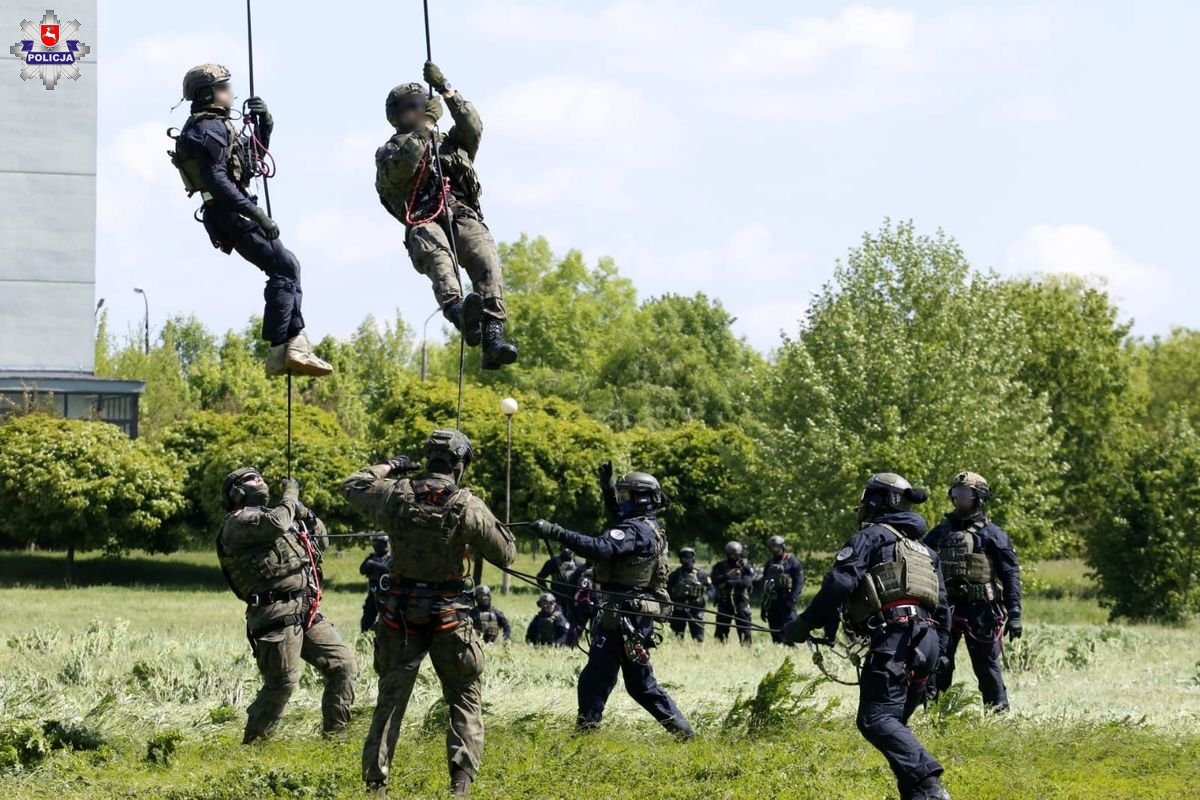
[
  {"x": 458, "y": 661},
  {"x": 280, "y": 655},
  {"x": 429, "y": 249}
]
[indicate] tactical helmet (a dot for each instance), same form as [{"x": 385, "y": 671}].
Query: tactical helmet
[
  {"x": 482, "y": 591},
  {"x": 887, "y": 491},
  {"x": 546, "y": 600},
  {"x": 379, "y": 539},
  {"x": 568, "y": 553},
  {"x": 687, "y": 552},
  {"x": 776, "y": 544},
  {"x": 449, "y": 447},
  {"x": 639, "y": 492},
  {"x": 397, "y": 97},
  {"x": 204, "y": 76},
  {"x": 733, "y": 549},
  {"x": 972, "y": 480},
  {"x": 233, "y": 494}
]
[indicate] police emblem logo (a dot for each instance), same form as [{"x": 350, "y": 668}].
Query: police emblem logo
[
  {"x": 617, "y": 534},
  {"x": 845, "y": 553},
  {"x": 49, "y": 52}
]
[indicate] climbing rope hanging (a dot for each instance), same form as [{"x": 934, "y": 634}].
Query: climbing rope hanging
[
  {"x": 446, "y": 208},
  {"x": 264, "y": 166}
]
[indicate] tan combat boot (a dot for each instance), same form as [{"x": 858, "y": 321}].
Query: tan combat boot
[
  {"x": 299, "y": 359},
  {"x": 277, "y": 360}
]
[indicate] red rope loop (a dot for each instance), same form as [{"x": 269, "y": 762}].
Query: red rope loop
[
  {"x": 302, "y": 535},
  {"x": 418, "y": 183}
]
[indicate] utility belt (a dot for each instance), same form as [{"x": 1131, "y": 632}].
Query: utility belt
[
  {"x": 972, "y": 593},
  {"x": 262, "y": 599},
  {"x": 423, "y": 605},
  {"x": 297, "y": 620},
  {"x": 898, "y": 612}
]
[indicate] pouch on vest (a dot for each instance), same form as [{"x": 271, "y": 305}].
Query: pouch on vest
[{"x": 910, "y": 576}]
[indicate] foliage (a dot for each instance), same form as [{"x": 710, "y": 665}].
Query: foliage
[
  {"x": 1170, "y": 370},
  {"x": 907, "y": 362},
  {"x": 775, "y": 705},
  {"x": 85, "y": 485},
  {"x": 160, "y": 749},
  {"x": 1147, "y": 554}
]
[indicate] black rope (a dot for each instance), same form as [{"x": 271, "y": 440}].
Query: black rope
[
  {"x": 449, "y": 212},
  {"x": 267, "y": 200}
]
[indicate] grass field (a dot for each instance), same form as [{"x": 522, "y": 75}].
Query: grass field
[{"x": 144, "y": 668}]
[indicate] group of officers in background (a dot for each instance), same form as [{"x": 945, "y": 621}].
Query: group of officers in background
[{"x": 566, "y": 604}]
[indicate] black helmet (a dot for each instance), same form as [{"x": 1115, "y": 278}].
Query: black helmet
[
  {"x": 546, "y": 600},
  {"x": 450, "y": 448},
  {"x": 776, "y": 544},
  {"x": 482, "y": 591},
  {"x": 733, "y": 549},
  {"x": 380, "y": 541},
  {"x": 639, "y": 492},
  {"x": 687, "y": 553},
  {"x": 887, "y": 491}
]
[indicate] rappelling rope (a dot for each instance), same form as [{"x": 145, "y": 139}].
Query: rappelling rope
[{"x": 262, "y": 163}]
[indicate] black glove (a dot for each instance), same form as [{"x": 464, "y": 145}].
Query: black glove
[
  {"x": 257, "y": 108},
  {"x": 270, "y": 229},
  {"x": 1013, "y": 628},
  {"x": 797, "y": 631},
  {"x": 402, "y": 464},
  {"x": 605, "y": 474},
  {"x": 435, "y": 78},
  {"x": 548, "y": 529},
  {"x": 433, "y": 109}
]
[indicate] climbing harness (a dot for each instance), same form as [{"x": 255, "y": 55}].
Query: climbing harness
[
  {"x": 852, "y": 652},
  {"x": 314, "y": 571}
]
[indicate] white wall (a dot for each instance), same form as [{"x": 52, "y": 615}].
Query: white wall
[{"x": 47, "y": 201}]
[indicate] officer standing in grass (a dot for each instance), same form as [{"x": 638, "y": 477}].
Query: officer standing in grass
[
  {"x": 271, "y": 558},
  {"x": 733, "y": 579},
  {"x": 489, "y": 621},
  {"x": 783, "y": 580},
  {"x": 891, "y": 585},
  {"x": 983, "y": 580},
  {"x": 548, "y": 628},
  {"x": 688, "y": 587},
  {"x": 373, "y": 568}
]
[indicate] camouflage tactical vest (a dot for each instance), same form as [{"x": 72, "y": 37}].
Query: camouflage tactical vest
[
  {"x": 689, "y": 589},
  {"x": 970, "y": 576},
  {"x": 426, "y": 533},
  {"x": 648, "y": 572},
  {"x": 912, "y": 575},
  {"x": 489, "y": 624},
  {"x": 270, "y": 566},
  {"x": 189, "y": 168}
]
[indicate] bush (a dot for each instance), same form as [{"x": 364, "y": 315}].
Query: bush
[
  {"x": 775, "y": 706},
  {"x": 161, "y": 747}
]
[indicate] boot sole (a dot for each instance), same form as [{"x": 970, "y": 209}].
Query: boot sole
[
  {"x": 309, "y": 370},
  {"x": 472, "y": 319},
  {"x": 501, "y": 359}
]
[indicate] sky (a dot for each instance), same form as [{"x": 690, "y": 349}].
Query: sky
[{"x": 735, "y": 149}]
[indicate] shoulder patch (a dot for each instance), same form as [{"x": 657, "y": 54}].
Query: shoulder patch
[
  {"x": 617, "y": 534},
  {"x": 844, "y": 553}
]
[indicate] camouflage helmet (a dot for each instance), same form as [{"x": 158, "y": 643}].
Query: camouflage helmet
[
  {"x": 232, "y": 492},
  {"x": 776, "y": 542},
  {"x": 546, "y": 600},
  {"x": 449, "y": 447},
  {"x": 396, "y": 98},
  {"x": 204, "y": 76},
  {"x": 733, "y": 549},
  {"x": 887, "y": 491},
  {"x": 972, "y": 480}
]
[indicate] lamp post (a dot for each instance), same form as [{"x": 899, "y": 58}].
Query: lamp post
[
  {"x": 146, "y": 303},
  {"x": 508, "y": 407},
  {"x": 424, "y": 337}
]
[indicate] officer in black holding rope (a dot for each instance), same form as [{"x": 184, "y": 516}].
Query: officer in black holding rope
[
  {"x": 892, "y": 589},
  {"x": 631, "y": 563}
]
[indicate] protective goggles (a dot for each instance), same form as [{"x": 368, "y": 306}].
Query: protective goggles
[
  {"x": 962, "y": 494},
  {"x": 410, "y": 104},
  {"x": 249, "y": 477}
]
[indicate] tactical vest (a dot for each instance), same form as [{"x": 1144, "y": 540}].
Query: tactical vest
[
  {"x": 648, "y": 572},
  {"x": 566, "y": 569},
  {"x": 489, "y": 624},
  {"x": 970, "y": 575},
  {"x": 189, "y": 168},
  {"x": 544, "y": 631},
  {"x": 735, "y": 594},
  {"x": 911, "y": 575},
  {"x": 266, "y": 567},
  {"x": 426, "y": 542},
  {"x": 689, "y": 588},
  {"x": 782, "y": 581}
]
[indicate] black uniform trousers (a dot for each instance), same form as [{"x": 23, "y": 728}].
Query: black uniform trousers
[
  {"x": 688, "y": 620},
  {"x": 980, "y": 625},
  {"x": 729, "y": 612}
]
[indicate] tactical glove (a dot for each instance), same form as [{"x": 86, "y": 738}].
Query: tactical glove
[
  {"x": 291, "y": 490},
  {"x": 548, "y": 529},
  {"x": 1013, "y": 628},
  {"x": 605, "y": 474},
  {"x": 402, "y": 464},
  {"x": 433, "y": 109},
  {"x": 435, "y": 78},
  {"x": 257, "y": 108},
  {"x": 270, "y": 229},
  {"x": 797, "y": 631}
]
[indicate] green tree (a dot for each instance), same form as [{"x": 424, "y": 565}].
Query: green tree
[
  {"x": 1146, "y": 554},
  {"x": 1169, "y": 370},
  {"x": 85, "y": 485},
  {"x": 908, "y": 361}
]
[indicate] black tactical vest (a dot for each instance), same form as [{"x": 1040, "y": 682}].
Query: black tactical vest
[
  {"x": 189, "y": 166},
  {"x": 689, "y": 588},
  {"x": 489, "y": 624},
  {"x": 970, "y": 575}
]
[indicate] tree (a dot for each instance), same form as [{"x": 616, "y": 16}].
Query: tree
[
  {"x": 1147, "y": 553},
  {"x": 85, "y": 485},
  {"x": 1169, "y": 369},
  {"x": 907, "y": 362}
]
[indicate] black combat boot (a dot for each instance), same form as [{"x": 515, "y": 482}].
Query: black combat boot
[
  {"x": 930, "y": 789},
  {"x": 465, "y": 316},
  {"x": 460, "y": 782},
  {"x": 496, "y": 352}
]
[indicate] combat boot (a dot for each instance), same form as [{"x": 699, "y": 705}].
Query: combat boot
[
  {"x": 465, "y": 315},
  {"x": 930, "y": 789},
  {"x": 301, "y": 360},
  {"x": 277, "y": 360},
  {"x": 460, "y": 782},
  {"x": 496, "y": 352},
  {"x": 377, "y": 790}
]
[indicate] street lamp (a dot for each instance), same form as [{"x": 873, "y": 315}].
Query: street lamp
[
  {"x": 146, "y": 302},
  {"x": 424, "y": 337},
  {"x": 508, "y": 407}
]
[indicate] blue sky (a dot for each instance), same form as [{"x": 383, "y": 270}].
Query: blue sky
[{"x": 735, "y": 149}]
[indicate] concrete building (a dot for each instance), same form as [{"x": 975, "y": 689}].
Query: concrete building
[{"x": 48, "y": 225}]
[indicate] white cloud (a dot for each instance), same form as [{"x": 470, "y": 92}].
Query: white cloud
[
  {"x": 1078, "y": 249},
  {"x": 1029, "y": 109}
]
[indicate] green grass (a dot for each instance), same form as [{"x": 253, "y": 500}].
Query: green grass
[{"x": 145, "y": 667}]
